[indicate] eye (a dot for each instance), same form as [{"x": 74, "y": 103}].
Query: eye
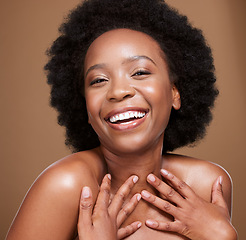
[
  {"x": 141, "y": 73},
  {"x": 98, "y": 81}
]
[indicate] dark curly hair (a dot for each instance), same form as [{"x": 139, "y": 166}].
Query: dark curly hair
[{"x": 188, "y": 56}]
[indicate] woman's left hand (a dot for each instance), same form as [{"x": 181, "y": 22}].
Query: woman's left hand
[{"x": 194, "y": 217}]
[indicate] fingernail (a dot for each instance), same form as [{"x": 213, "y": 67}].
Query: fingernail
[
  {"x": 138, "y": 197},
  {"x": 109, "y": 176},
  {"x": 145, "y": 194},
  {"x": 151, "y": 177},
  {"x": 164, "y": 172},
  {"x": 220, "y": 180},
  {"x": 135, "y": 179},
  {"x": 86, "y": 192},
  {"x": 151, "y": 223},
  {"x": 139, "y": 224}
]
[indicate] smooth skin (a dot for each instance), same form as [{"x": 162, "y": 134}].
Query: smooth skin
[
  {"x": 125, "y": 70},
  {"x": 189, "y": 208},
  {"x": 108, "y": 215}
]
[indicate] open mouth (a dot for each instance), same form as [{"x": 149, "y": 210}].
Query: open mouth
[{"x": 126, "y": 117}]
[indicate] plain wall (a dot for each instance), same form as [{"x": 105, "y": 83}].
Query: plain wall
[{"x": 30, "y": 138}]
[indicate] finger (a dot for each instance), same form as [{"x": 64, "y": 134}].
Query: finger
[
  {"x": 128, "y": 230},
  {"x": 165, "y": 189},
  {"x": 179, "y": 185},
  {"x": 217, "y": 193},
  {"x": 102, "y": 202},
  {"x": 121, "y": 195},
  {"x": 159, "y": 203},
  {"x": 128, "y": 209},
  {"x": 85, "y": 209},
  {"x": 175, "y": 226}
]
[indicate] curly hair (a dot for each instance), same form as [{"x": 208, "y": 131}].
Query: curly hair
[{"x": 187, "y": 54}]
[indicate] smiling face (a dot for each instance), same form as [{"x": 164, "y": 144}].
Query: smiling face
[{"x": 128, "y": 92}]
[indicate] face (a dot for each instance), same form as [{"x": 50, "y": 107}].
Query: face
[{"x": 128, "y": 92}]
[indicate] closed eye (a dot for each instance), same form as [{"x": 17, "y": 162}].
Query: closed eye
[
  {"x": 141, "y": 73},
  {"x": 98, "y": 81}
]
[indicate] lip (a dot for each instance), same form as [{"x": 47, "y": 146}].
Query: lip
[{"x": 126, "y": 125}]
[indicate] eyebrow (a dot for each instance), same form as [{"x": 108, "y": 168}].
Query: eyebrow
[
  {"x": 136, "y": 58},
  {"x": 128, "y": 60},
  {"x": 96, "y": 66}
]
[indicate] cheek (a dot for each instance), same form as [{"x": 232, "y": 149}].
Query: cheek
[
  {"x": 160, "y": 94},
  {"x": 160, "y": 99},
  {"x": 93, "y": 106}
]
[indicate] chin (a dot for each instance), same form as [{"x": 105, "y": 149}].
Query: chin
[{"x": 130, "y": 146}]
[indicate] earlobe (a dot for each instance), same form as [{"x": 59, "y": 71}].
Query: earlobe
[{"x": 176, "y": 98}]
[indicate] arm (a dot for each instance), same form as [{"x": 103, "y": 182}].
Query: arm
[
  {"x": 50, "y": 208},
  {"x": 194, "y": 217}
]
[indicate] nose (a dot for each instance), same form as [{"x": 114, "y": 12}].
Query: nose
[{"x": 120, "y": 89}]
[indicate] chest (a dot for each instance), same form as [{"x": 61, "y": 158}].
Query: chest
[
  {"x": 143, "y": 212},
  {"x": 145, "y": 233}
]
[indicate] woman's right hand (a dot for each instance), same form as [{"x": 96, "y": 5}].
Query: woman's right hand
[{"x": 104, "y": 221}]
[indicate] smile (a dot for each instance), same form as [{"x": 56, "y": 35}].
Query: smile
[{"x": 126, "y": 117}]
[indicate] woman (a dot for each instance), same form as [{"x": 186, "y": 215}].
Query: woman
[{"x": 132, "y": 81}]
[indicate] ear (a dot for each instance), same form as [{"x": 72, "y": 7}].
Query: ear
[{"x": 176, "y": 98}]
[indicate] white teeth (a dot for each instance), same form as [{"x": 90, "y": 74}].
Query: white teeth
[{"x": 126, "y": 115}]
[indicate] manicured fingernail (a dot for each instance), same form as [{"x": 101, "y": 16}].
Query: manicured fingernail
[
  {"x": 109, "y": 176},
  {"x": 135, "y": 179},
  {"x": 139, "y": 224},
  {"x": 145, "y": 194},
  {"x": 151, "y": 177},
  {"x": 86, "y": 192},
  {"x": 164, "y": 172},
  {"x": 138, "y": 197},
  {"x": 151, "y": 223}
]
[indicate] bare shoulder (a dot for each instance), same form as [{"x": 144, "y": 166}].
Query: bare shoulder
[
  {"x": 199, "y": 175},
  {"x": 79, "y": 168},
  {"x": 70, "y": 174},
  {"x": 50, "y": 208}
]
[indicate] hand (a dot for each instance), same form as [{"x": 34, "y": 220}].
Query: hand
[
  {"x": 105, "y": 220},
  {"x": 194, "y": 217}
]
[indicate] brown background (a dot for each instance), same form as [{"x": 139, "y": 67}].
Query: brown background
[{"x": 30, "y": 139}]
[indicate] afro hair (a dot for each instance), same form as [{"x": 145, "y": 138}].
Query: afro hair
[{"x": 187, "y": 54}]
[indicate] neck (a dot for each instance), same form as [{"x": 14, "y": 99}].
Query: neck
[{"x": 122, "y": 166}]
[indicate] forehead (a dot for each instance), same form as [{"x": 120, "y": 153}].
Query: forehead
[{"x": 122, "y": 43}]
